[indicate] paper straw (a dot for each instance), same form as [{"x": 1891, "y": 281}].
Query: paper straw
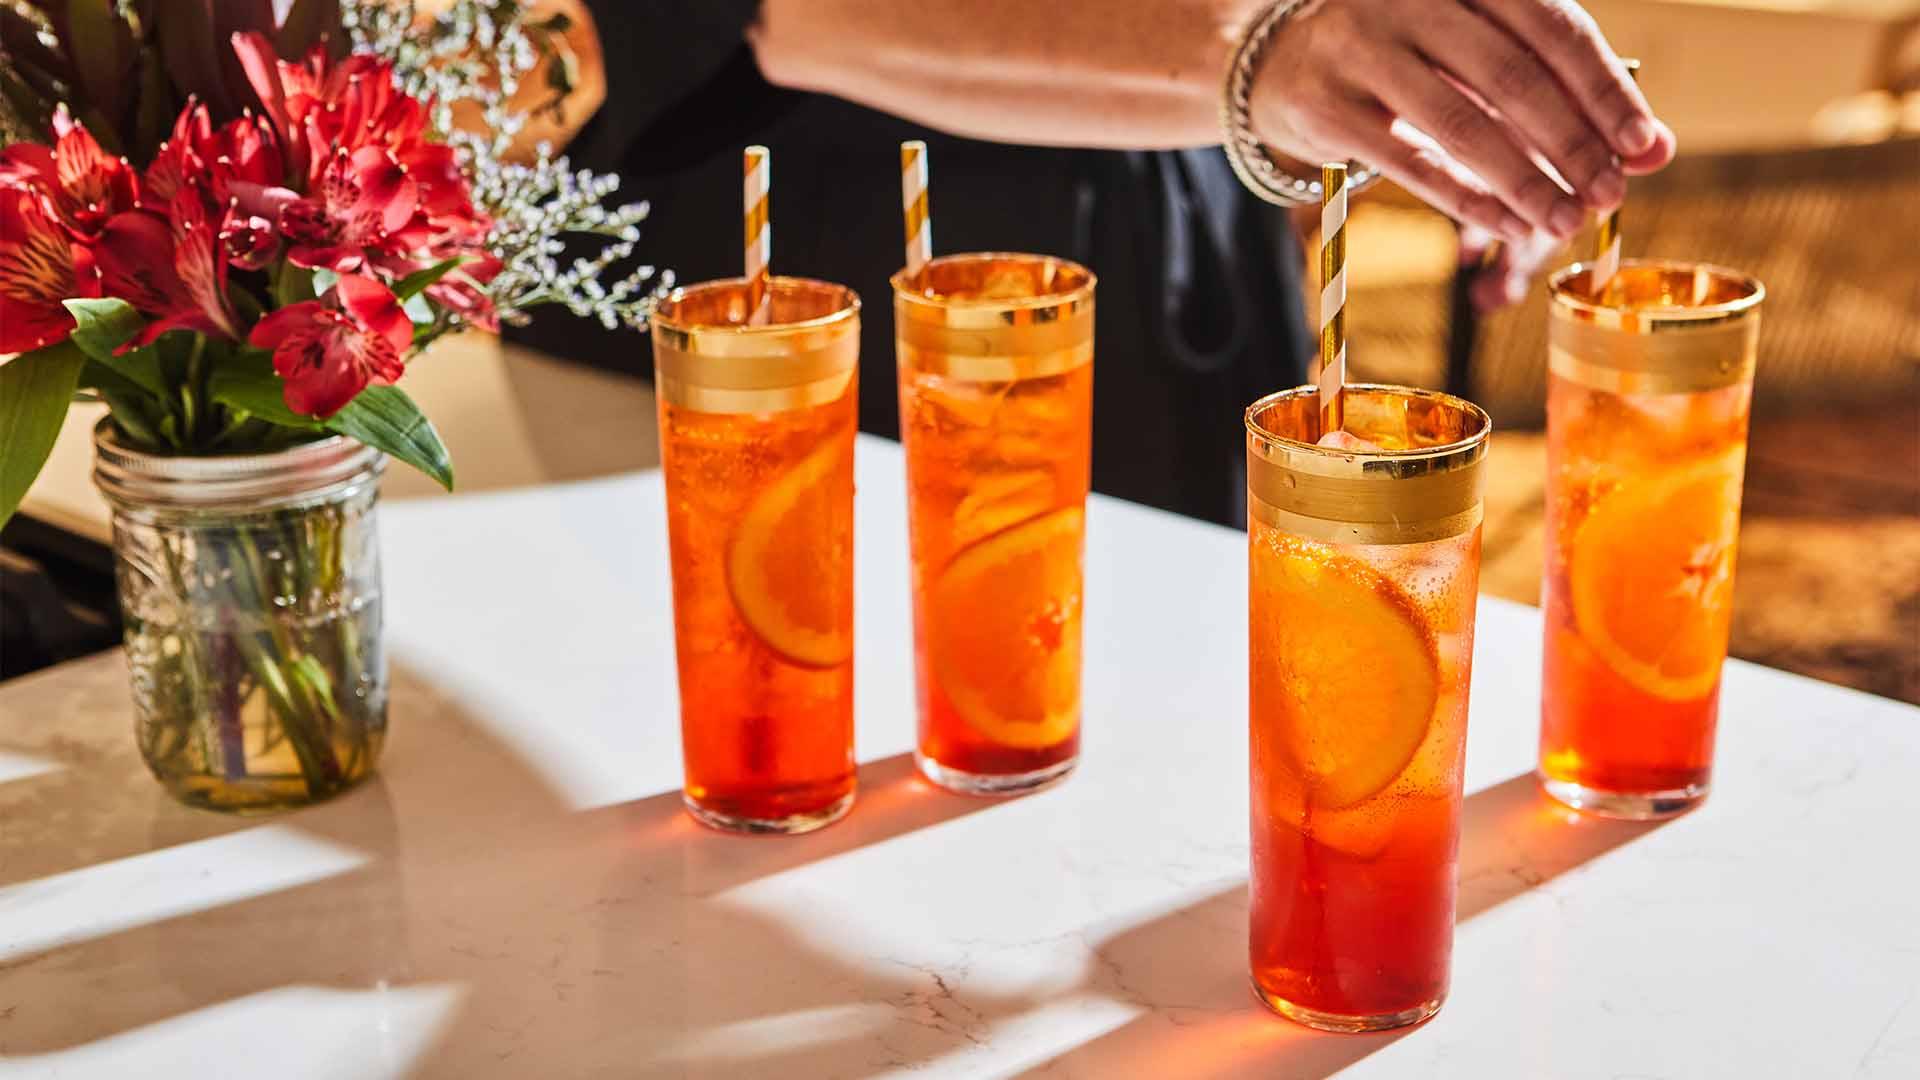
[
  {"x": 1606, "y": 239},
  {"x": 759, "y": 234},
  {"x": 1333, "y": 295},
  {"x": 913, "y": 202},
  {"x": 1606, "y": 254}
]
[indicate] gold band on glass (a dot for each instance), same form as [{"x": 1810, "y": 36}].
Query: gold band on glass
[
  {"x": 1006, "y": 351},
  {"x": 708, "y": 365},
  {"x": 1704, "y": 336},
  {"x": 994, "y": 338},
  {"x": 1328, "y": 531},
  {"x": 735, "y": 400},
  {"x": 1368, "y": 497}
]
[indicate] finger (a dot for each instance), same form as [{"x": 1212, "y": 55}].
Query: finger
[
  {"x": 1409, "y": 158},
  {"x": 1656, "y": 157},
  {"x": 1570, "y": 43},
  {"x": 1509, "y": 275},
  {"x": 1473, "y": 244},
  {"x": 1498, "y": 285},
  {"x": 1512, "y": 79},
  {"x": 1492, "y": 289},
  {"x": 1410, "y": 87}
]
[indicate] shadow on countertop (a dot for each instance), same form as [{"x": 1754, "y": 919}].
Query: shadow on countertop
[{"x": 571, "y": 939}]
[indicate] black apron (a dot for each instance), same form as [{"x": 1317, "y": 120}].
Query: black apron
[{"x": 1198, "y": 309}]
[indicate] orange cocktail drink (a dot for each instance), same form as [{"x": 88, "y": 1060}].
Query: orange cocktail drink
[
  {"x": 756, "y": 441},
  {"x": 1646, "y": 447},
  {"x": 1364, "y": 564},
  {"x": 996, "y": 414}
]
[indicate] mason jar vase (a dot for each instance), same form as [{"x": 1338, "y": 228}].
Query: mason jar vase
[{"x": 250, "y": 589}]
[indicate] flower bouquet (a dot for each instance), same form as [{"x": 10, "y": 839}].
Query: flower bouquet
[{"x": 236, "y": 230}]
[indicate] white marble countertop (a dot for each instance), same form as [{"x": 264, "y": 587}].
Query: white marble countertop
[{"x": 519, "y": 894}]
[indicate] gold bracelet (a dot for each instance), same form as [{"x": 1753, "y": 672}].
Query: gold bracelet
[{"x": 1245, "y": 152}]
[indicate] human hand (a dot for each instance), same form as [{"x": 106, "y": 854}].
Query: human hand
[
  {"x": 1471, "y": 105},
  {"x": 1502, "y": 271}
]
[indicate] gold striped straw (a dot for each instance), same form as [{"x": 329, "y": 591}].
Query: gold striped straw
[
  {"x": 1606, "y": 238},
  {"x": 759, "y": 238},
  {"x": 913, "y": 201},
  {"x": 1333, "y": 295}
]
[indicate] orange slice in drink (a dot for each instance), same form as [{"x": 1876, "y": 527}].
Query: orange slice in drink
[
  {"x": 1346, "y": 677},
  {"x": 999, "y": 501},
  {"x": 1004, "y": 638},
  {"x": 787, "y": 564},
  {"x": 1651, "y": 573}
]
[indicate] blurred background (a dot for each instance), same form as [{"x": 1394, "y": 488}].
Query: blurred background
[{"x": 1799, "y": 132}]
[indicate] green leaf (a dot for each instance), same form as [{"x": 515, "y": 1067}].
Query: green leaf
[
  {"x": 135, "y": 372},
  {"x": 308, "y": 23},
  {"x": 136, "y": 415},
  {"x": 416, "y": 283},
  {"x": 99, "y": 44},
  {"x": 385, "y": 418},
  {"x": 419, "y": 312},
  {"x": 35, "y": 390},
  {"x": 153, "y": 109},
  {"x": 247, "y": 382},
  {"x": 324, "y": 279},
  {"x": 193, "y": 51},
  {"x": 103, "y": 326},
  {"x": 312, "y": 676},
  {"x": 292, "y": 285},
  {"x": 32, "y": 106}
]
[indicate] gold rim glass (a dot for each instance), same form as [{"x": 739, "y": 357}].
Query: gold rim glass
[
  {"x": 1661, "y": 327},
  {"x": 707, "y": 357},
  {"x": 1420, "y": 481}
]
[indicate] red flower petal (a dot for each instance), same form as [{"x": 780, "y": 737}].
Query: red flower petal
[
  {"x": 25, "y": 164},
  {"x": 386, "y": 192},
  {"x": 93, "y": 184},
  {"x": 280, "y": 325},
  {"x": 200, "y": 261},
  {"x": 263, "y": 70},
  {"x": 371, "y": 305},
  {"x": 180, "y": 157},
  {"x": 136, "y": 260},
  {"x": 321, "y": 370},
  {"x": 36, "y": 273}
]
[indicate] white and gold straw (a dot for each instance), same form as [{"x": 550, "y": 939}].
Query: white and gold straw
[
  {"x": 1606, "y": 238},
  {"x": 1333, "y": 294},
  {"x": 913, "y": 201},
  {"x": 1606, "y": 254},
  {"x": 759, "y": 235}
]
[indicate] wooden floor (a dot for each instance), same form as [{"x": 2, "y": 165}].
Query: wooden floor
[{"x": 1828, "y": 580}]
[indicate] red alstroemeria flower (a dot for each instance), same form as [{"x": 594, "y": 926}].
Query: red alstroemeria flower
[
  {"x": 325, "y": 112},
  {"x": 172, "y": 268},
  {"x": 244, "y": 152},
  {"x": 201, "y": 261},
  {"x": 37, "y": 271},
  {"x": 318, "y": 106},
  {"x": 83, "y": 185},
  {"x": 238, "y": 167},
  {"x": 361, "y": 201},
  {"x": 329, "y": 349},
  {"x": 248, "y": 240},
  {"x": 271, "y": 79},
  {"x": 321, "y": 107},
  {"x": 181, "y": 158}
]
